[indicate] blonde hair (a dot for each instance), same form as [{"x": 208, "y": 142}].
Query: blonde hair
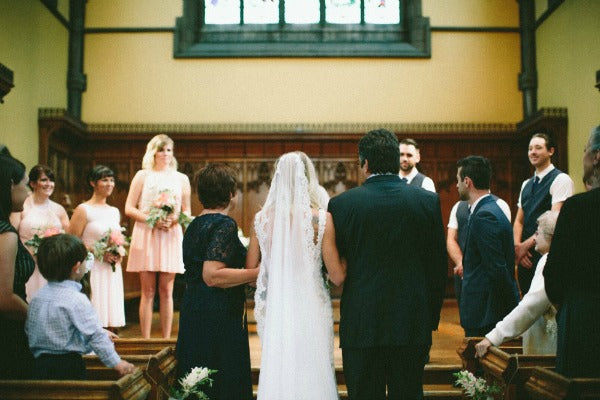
[
  {"x": 313, "y": 180},
  {"x": 156, "y": 144}
]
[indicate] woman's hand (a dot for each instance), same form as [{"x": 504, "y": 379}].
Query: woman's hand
[
  {"x": 482, "y": 347},
  {"x": 167, "y": 223},
  {"x": 111, "y": 258}
]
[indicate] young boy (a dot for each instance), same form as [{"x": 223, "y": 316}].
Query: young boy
[{"x": 61, "y": 323}]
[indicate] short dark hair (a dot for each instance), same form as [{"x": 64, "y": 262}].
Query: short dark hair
[
  {"x": 547, "y": 139},
  {"x": 216, "y": 183},
  {"x": 12, "y": 171},
  {"x": 58, "y": 254},
  {"x": 380, "y": 147},
  {"x": 99, "y": 172},
  {"x": 478, "y": 168},
  {"x": 36, "y": 172},
  {"x": 410, "y": 142}
]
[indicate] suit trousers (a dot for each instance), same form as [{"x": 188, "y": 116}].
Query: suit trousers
[{"x": 368, "y": 371}]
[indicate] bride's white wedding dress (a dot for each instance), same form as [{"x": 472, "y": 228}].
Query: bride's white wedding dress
[{"x": 292, "y": 304}]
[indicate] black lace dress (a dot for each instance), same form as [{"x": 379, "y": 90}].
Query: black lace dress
[
  {"x": 213, "y": 331},
  {"x": 16, "y": 360}
]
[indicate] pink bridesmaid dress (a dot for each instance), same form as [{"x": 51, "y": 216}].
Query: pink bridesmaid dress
[
  {"x": 108, "y": 297},
  {"x": 36, "y": 219}
]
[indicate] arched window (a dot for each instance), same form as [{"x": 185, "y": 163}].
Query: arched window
[{"x": 302, "y": 28}]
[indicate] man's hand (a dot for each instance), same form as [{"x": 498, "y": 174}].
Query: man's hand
[
  {"x": 482, "y": 347},
  {"x": 124, "y": 368},
  {"x": 523, "y": 255}
]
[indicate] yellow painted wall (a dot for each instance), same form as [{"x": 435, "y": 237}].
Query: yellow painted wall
[
  {"x": 568, "y": 58},
  {"x": 471, "y": 77},
  {"x": 34, "y": 45}
]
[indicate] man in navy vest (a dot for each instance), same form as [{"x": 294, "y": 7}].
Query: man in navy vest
[
  {"x": 489, "y": 290},
  {"x": 409, "y": 158},
  {"x": 546, "y": 190},
  {"x": 457, "y": 237}
]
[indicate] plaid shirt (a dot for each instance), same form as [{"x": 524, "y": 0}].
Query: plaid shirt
[{"x": 61, "y": 320}]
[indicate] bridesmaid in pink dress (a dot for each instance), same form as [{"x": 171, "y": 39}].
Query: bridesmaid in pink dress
[
  {"x": 155, "y": 252},
  {"x": 39, "y": 214},
  {"x": 91, "y": 221}
]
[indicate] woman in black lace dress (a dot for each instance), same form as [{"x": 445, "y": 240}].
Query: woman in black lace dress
[
  {"x": 16, "y": 266},
  {"x": 213, "y": 331}
]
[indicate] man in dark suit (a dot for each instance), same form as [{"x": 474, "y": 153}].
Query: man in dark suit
[
  {"x": 572, "y": 273},
  {"x": 392, "y": 237},
  {"x": 489, "y": 289}
]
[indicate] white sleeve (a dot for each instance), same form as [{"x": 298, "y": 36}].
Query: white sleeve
[
  {"x": 562, "y": 188},
  {"x": 452, "y": 221},
  {"x": 521, "y": 192},
  {"x": 505, "y": 208},
  {"x": 428, "y": 184},
  {"x": 532, "y": 306}
]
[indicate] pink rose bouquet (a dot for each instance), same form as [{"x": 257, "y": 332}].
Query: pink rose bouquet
[
  {"x": 162, "y": 207},
  {"x": 113, "y": 242},
  {"x": 34, "y": 242}
]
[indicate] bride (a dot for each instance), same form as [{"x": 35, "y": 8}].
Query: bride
[{"x": 291, "y": 239}]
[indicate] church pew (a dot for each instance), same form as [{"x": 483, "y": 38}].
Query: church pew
[
  {"x": 159, "y": 370},
  {"x": 142, "y": 346},
  {"x": 162, "y": 370},
  {"x": 466, "y": 351},
  {"x": 511, "y": 371},
  {"x": 544, "y": 384},
  {"x": 133, "y": 386}
]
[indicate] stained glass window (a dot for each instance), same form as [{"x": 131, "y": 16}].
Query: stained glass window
[
  {"x": 302, "y": 11},
  {"x": 302, "y": 28},
  {"x": 261, "y": 11},
  {"x": 342, "y": 11}
]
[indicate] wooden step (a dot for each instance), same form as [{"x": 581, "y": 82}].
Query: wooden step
[
  {"x": 435, "y": 392},
  {"x": 434, "y": 374}
]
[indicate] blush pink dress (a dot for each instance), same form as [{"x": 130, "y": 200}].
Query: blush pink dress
[
  {"x": 36, "y": 218},
  {"x": 151, "y": 249},
  {"x": 108, "y": 296}
]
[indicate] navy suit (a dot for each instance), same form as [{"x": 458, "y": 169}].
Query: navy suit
[
  {"x": 489, "y": 289},
  {"x": 393, "y": 239}
]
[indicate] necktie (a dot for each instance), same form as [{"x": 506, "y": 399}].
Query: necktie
[
  {"x": 404, "y": 180},
  {"x": 536, "y": 182}
]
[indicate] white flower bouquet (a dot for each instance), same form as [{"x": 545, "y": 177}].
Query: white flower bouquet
[
  {"x": 474, "y": 387},
  {"x": 190, "y": 384}
]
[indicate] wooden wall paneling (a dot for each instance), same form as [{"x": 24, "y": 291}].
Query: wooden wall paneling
[{"x": 71, "y": 147}]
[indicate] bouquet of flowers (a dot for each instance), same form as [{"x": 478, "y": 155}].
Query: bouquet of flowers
[
  {"x": 190, "y": 384},
  {"x": 34, "y": 242},
  {"x": 162, "y": 207},
  {"x": 113, "y": 242},
  {"x": 475, "y": 388},
  {"x": 184, "y": 220}
]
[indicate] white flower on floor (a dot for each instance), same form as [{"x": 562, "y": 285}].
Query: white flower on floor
[{"x": 190, "y": 384}]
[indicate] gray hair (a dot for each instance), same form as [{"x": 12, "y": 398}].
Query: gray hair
[{"x": 547, "y": 222}]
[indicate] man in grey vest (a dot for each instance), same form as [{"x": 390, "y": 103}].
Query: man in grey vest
[
  {"x": 409, "y": 158},
  {"x": 547, "y": 189}
]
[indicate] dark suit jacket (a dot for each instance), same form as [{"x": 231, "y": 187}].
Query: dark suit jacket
[
  {"x": 393, "y": 238},
  {"x": 572, "y": 280},
  {"x": 489, "y": 289}
]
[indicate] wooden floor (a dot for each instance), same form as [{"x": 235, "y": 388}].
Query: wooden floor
[{"x": 443, "y": 351}]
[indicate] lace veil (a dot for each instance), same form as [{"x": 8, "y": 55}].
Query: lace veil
[{"x": 292, "y": 305}]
